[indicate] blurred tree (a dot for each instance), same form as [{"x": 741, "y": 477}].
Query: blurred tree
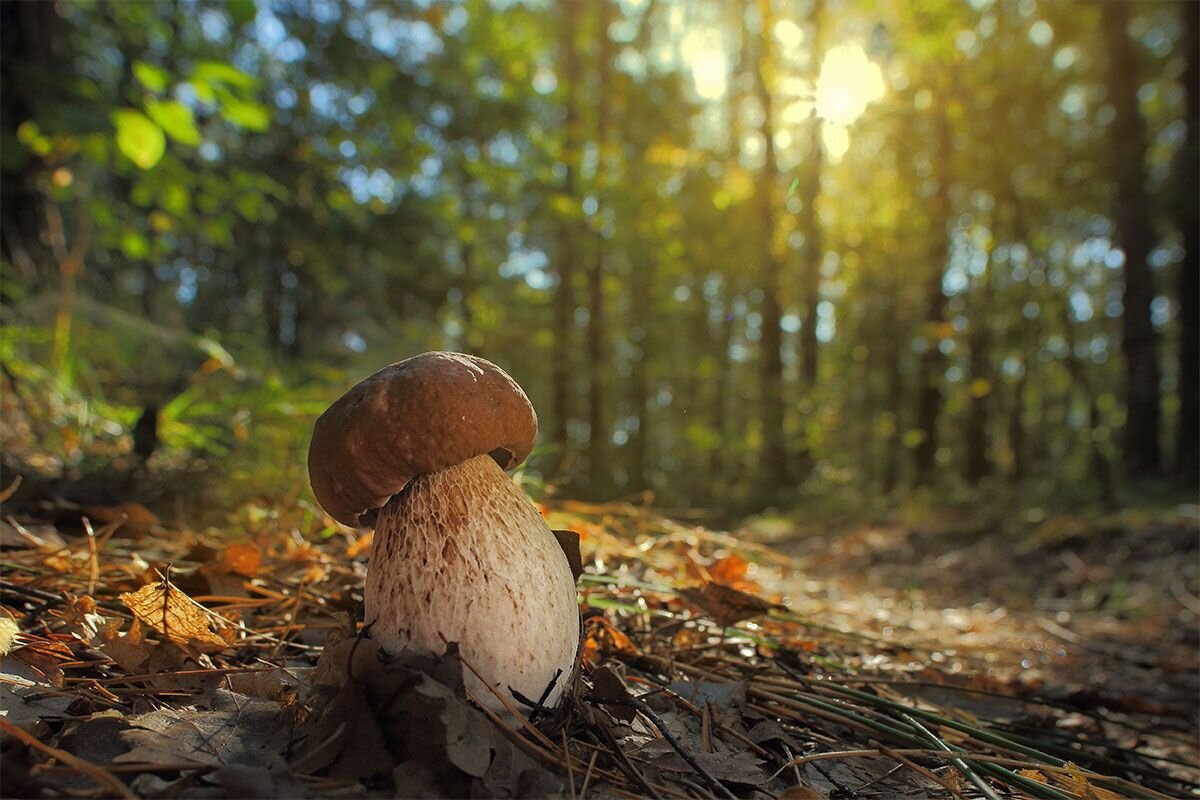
[
  {"x": 599, "y": 483},
  {"x": 774, "y": 468},
  {"x": 566, "y": 254},
  {"x": 809, "y": 224},
  {"x": 1187, "y": 450},
  {"x": 1139, "y": 341}
]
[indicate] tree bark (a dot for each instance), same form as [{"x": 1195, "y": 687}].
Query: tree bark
[
  {"x": 562, "y": 399},
  {"x": 982, "y": 380},
  {"x": 597, "y": 345},
  {"x": 28, "y": 40},
  {"x": 1187, "y": 447},
  {"x": 774, "y": 455},
  {"x": 810, "y": 224},
  {"x": 895, "y": 389},
  {"x": 1136, "y": 237},
  {"x": 929, "y": 394}
]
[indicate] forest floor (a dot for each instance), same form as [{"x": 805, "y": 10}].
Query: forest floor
[
  {"x": 1036, "y": 654},
  {"x": 1103, "y": 607}
]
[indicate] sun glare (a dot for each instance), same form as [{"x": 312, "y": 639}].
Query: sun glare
[
  {"x": 848, "y": 83},
  {"x": 703, "y": 54}
]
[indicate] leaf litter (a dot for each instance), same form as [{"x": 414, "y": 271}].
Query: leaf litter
[{"x": 202, "y": 666}]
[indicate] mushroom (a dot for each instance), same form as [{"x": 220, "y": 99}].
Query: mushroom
[{"x": 460, "y": 554}]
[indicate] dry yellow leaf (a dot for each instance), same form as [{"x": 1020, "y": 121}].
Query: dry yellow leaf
[{"x": 165, "y": 608}]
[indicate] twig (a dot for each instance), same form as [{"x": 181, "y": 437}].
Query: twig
[
  {"x": 567, "y": 757},
  {"x": 98, "y": 774},
  {"x": 587, "y": 778},
  {"x": 653, "y": 716},
  {"x": 928, "y": 773},
  {"x": 93, "y": 557},
  {"x": 623, "y": 761},
  {"x": 12, "y": 488},
  {"x": 966, "y": 770}
]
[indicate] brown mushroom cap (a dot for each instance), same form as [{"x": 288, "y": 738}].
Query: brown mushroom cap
[{"x": 421, "y": 415}]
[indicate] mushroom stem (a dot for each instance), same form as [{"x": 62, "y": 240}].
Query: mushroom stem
[{"x": 461, "y": 555}]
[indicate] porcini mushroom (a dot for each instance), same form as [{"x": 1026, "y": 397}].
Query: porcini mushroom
[{"x": 460, "y": 554}]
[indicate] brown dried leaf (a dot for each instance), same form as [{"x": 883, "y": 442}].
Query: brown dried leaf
[
  {"x": 82, "y": 619},
  {"x": 168, "y": 610},
  {"x": 731, "y": 571},
  {"x": 241, "y": 559},
  {"x": 569, "y": 542},
  {"x": 360, "y": 545},
  {"x": 798, "y": 792},
  {"x": 602, "y": 639},
  {"x": 129, "y": 649},
  {"x": 1033, "y": 775},
  {"x": 137, "y": 518},
  {"x": 726, "y": 604}
]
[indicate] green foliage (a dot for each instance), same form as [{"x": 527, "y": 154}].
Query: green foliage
[
  {"x": 337, "y": 186},
  {"x": 139, "y": 139}
]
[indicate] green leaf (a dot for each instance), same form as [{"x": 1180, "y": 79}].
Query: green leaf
[
  {"x": 242, "y": 11},
  {"x": 219, "y": 72},
  {"x": 176, "y": 119},
  {"x": 176, "y": 200},
  {"x": 251, "y": 116},
  {"x": 134, "y": 245},
  {"x": 138, "y": 137},
  {"x": 155, "y": 79},
  {"x": 249, "y": 205},
  {"x": 204, "y": 91}
]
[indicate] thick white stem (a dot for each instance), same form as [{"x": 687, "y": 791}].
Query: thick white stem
[{"x": 461, "y": 555}]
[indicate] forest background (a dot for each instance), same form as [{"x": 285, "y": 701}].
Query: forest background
[{"x": 818, "y": 254}]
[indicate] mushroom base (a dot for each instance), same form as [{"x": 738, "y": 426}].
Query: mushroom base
[{"x": 461, "y": 555}]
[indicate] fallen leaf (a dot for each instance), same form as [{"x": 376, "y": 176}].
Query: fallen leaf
[
  {"x": 608, "y": 686},
  {"x": 731, "y": 571},
  {"x": 82, "y": 619},
  {"x": 137, "y": 518},
  {"x": 23, "y": 698},
  {"x": 602, "y": 638},
  {"x": 798, "y": 792},
  {"x": 237, "y": 730},
  {"x": 726, "y": 604},
  {"x": 361, "y": 545},
  {"x": 569, "y": 542},
  {"x": 168, "y": 610},
  {"x": 129, "y": 649},
  {"x": 241, "y": 559}
]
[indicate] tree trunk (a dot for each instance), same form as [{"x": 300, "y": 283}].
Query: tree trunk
[
  {"x": 774, "y": 460},
  {"x": 895, "y": 391},
  {"x": 719, "y": 458},
  {"x": 1102, "y": 471},
  {"x": 28, "y": 40},
  {"x": 599, "y": 484},
  {"x": 641, "y": 283},
  {"x": 810, "y": 224},
  {"x": 1136, "y": 237},
  {"x": 981, "y": 383},
  {"x": 562, "y": 400},
  {"x": 1187, "y": 448},
  {"x": 1016, "y": 428},
  {"x": 929, "y": 395}
]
